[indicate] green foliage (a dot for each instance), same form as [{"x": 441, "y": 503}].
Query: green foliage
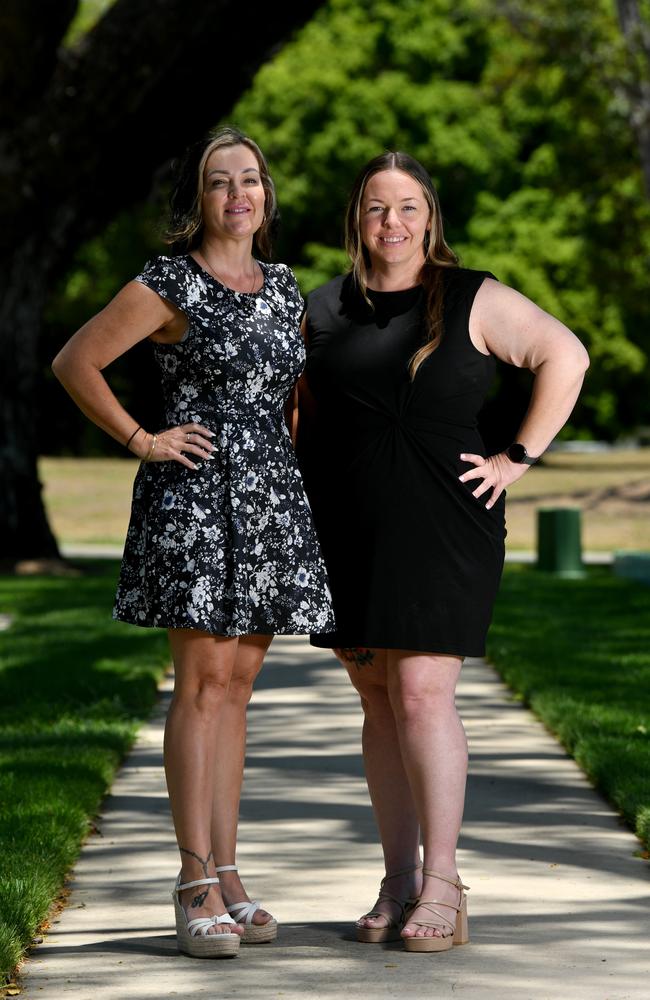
[
  {"x": 73, "y": 686},
  {"x": 587, "y": 677},
  {"x": 321, "y": 264},
  {"x": 88, "y": 14},
  {"x": 522, "y": 113}
]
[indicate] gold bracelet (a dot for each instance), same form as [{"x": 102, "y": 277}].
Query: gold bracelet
[{"x": 152, "y": 449}]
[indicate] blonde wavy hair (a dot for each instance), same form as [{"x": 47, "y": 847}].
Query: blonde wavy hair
[
  {"x": 437, "y": 253},
  {"x": 185, "y": 229}
]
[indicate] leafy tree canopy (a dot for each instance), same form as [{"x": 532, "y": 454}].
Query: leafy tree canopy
[{"x": 521, "y": 112}]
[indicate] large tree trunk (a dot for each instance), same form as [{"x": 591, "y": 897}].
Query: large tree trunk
[
  {"x": 637, "y": 39},
  {"x": 24, "y": 530},
  {"x": 95, "y": 124}
]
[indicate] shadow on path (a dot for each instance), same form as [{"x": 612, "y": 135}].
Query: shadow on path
[{"x": 558, "y": 905}]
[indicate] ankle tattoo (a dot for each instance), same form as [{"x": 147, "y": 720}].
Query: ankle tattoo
[
  {"x": 358, "y": 655},
  {"x": 204, "y": 863},
  {"x": 199, "y": 900}
]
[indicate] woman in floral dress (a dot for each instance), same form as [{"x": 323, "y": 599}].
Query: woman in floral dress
[{"x": 220, "y": 549}]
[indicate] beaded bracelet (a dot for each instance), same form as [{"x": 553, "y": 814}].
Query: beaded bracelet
[
  {"x": 138, "y": 428},
  {"x": 152, "y": 449}
]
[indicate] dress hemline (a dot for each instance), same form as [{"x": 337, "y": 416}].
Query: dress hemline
[
  {"x": 198, "y": 627},
  {"x": 331, "y": 641}
]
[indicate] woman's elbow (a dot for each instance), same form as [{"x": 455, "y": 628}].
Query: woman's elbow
[
  {"x": 582, "y": 359},
  {"x": 67, "y": 365},
  {"x": 573, "y": 356},
  {"x": 58, "y": 365}
]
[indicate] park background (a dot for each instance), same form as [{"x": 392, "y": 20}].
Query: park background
[{"x": 534, "y": 121}]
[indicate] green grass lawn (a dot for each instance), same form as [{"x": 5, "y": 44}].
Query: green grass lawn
[
  {"x": 578, "y": 652},
  {"x": 89, "y": 499},
  {"x": 73, "y": 687}
]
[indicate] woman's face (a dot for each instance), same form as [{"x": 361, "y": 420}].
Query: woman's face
[
  {"x": 394, "y": 218},
  {"x": 233, "y": 195}
]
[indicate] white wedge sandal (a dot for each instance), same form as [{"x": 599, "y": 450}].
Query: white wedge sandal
[
  {"x": 244, "y": 913},
  {"x": 193, "y": 936}
]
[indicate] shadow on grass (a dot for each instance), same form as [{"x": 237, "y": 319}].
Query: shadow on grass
[{"x": 73, "y": 685}]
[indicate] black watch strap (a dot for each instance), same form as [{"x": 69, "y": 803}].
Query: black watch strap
[{"x": 517, "y": 453}]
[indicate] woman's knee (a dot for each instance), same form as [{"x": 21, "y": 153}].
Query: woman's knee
[
  {"x": 205, "y": 691},
  {"x": 427, "y": 693},
  {"x": 203, "y": 668},
  {"x": 251, "y": 651},
  {"x": 240, "y": 690},
  {"x": 415, "y": 705}
]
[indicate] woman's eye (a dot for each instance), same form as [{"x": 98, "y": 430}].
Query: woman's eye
[{"x": 252, "y": 180}]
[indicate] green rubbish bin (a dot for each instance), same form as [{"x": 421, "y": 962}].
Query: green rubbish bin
[{"x": 559, "y": 548}]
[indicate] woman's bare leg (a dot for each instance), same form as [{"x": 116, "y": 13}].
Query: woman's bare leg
[
  {"x": 421, "y": 688},
  {"x": 231, "y": 751},
  {"x": 203, "y": 665},
  {"x": 388, "y": 784}
]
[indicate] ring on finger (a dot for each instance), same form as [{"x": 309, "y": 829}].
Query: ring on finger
[{"x": 188, "y": 435}]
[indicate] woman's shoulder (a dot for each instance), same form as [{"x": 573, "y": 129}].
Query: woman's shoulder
[
  {"x": 332, "y": 291},
  {"x": 465, "y": 276},
  {"x": 277, "y": 268},
  {"x": 163, "y": 267},
  {"x": 281, "y": 273},
  {"x": 461, "y": 285},
  {"x": 281, "y": 287},
  {"x": 174, "y": 279}
]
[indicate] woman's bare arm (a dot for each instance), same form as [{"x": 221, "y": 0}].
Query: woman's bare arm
[
  {"x": 135, "y": 314},
  {"x": 514, "y": 329}
]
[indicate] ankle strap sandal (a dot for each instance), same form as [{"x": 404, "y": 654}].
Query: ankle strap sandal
[
  {"x": 245, "y": 911},
  {"x": 193, "y": 936},
  {"x": 458, "y": 921}
]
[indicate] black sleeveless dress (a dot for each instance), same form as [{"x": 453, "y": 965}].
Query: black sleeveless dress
[{"x": 414, "y": 560}]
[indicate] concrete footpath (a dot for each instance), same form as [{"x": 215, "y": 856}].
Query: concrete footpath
[{"x": 558, "y": 906}]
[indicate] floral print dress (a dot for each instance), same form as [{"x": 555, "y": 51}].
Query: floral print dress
[{"x": 228, "y": 548}]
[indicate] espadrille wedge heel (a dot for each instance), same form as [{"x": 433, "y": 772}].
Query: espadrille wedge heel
[
  {"x": 244, "y": 913},
  {"x": 194, "y": 937}
]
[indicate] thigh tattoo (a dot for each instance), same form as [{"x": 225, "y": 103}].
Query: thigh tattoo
[{"x": 358, "y": 655}]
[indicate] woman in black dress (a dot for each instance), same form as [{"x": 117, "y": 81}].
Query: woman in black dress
[
  {"x": 410, "y": 513},
  {"x": 221, "y": 549}
]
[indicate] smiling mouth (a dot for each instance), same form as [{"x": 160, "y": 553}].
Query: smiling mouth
[
  {"x": 237, "y": 210},
  {"x": 392, "y": 239}
]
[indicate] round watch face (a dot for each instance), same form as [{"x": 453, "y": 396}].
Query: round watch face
[{"x": 517, "y": 452}]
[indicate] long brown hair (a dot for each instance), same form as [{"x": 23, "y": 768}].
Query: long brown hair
[
  {"x": 185, "y": 230},
  {"x": 437, "y": 254}
]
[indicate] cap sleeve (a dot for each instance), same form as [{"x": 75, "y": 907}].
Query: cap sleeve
[
  {"x": 168, "y": 278},
  {"x": 295, "y": 301}
]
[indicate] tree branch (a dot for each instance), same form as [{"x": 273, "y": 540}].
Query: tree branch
[
  {"x": 637, "y": 40},
  {"x": 145, "y": 81}
]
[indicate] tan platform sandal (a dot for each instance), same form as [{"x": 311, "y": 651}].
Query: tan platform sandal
[
  {"x": 391, "y": 932},
  {"x": 193, "y": 936},
  {"x": 458, "y": 923},
  {"x": 244, "y": 913}
]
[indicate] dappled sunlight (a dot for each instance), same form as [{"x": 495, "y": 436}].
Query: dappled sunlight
[{"x": 555, "y": 886}]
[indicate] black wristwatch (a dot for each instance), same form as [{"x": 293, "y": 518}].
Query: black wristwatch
[{"x": 517, "y": 453}]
